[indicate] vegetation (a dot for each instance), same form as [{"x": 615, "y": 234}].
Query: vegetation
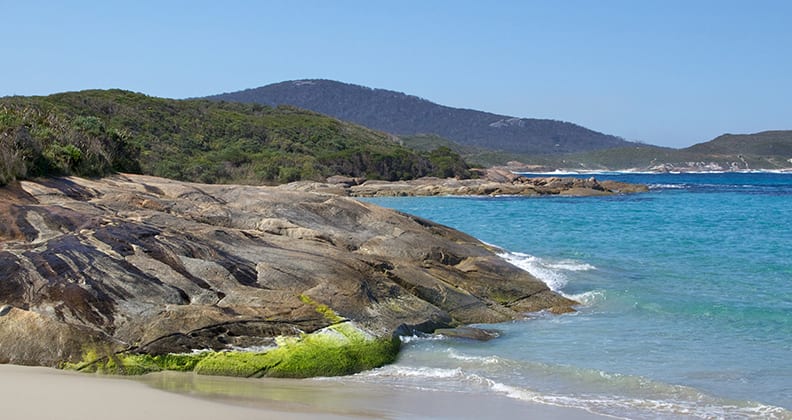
[
  {"x": 406, "y": 115},
  {"x": 766, "y": 143},
  {"x": 429, "y": 142},
  {"x": 93, "y": 133},
  {"x": 486, "y": 139},
  {"x": 766, "y": 150}
]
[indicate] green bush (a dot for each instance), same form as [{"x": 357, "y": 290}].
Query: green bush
[{"x": 92, "y": 133}]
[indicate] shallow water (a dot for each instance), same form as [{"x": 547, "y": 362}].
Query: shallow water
[{"x": 686, "y": 296}]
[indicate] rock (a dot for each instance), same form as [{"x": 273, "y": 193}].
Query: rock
[
  {"x": 347, "y": 181},
  {"x": 479, "y": 334},
  {"x": 493, "y": 182},
  {"x": 135, "y": 265},
  {"x": 500, "y": 175}
]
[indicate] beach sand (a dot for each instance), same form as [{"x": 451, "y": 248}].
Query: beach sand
[{"x": 42, "y": 393}]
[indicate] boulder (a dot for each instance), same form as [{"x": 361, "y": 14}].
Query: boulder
[
  {"x": 153, "y": 266},
  {"x": 470, "y": 333}
]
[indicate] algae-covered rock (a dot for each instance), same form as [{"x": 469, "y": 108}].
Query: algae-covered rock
[
  {"x": 340, "y": 349},
  {"x": 136, "y": 269}
]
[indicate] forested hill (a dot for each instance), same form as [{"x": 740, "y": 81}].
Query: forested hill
[
  {"x": 767, "y": 150},
  {"x": 402, "y": 114},
  {"x": 96, "y": 132},
  {"x": 767, "y": 143}
]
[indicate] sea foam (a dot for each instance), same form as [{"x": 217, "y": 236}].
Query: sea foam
[
  {"x": 550, "y": 272},
  {"x": 681, "y": 401}
]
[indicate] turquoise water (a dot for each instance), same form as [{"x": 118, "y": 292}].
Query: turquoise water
[{"x": 686, "y": 296}]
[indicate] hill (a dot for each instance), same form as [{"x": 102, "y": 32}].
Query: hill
[
  {"x": 95, "y": 132},
  {"x": 407, "y": 115},
  {"x": 766, "y": 143},
  {"x": 769, "y": 150}
]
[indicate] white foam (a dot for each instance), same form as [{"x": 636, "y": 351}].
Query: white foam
[
  {"x": 420, "y": 337},
  {"x": 682, "y": 401},
  {"x": 416, "y": 372},
  {"x": 589, "y": 298},
  {"x": 570, "y": 265},
  {"x": 453, "y": 376},
  {"x": 668, "y": 186},
  {"x": 485, "y": 360},
  {"x": 556, "y": 172},
  {"x": 625, "y": 407},
  {"x": 548, "y": 272}
]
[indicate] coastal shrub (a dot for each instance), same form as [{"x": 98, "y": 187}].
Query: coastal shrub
[
  {"x": 92, "y": 133},
  {"x": 36, "y": 139}
]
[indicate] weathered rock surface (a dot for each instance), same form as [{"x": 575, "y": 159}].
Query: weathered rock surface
[
  {"x": 470, "y": 333},
  {"x": 158, "y": 266},
  {"x": 492, "y": 182}
]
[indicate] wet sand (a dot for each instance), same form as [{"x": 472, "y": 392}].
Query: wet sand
[{"x": 43, "y": 393}]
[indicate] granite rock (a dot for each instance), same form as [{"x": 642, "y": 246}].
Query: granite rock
[{"x": 144, "y": 264}]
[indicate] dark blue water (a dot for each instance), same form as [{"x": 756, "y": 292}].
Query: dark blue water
[{"x": 686, "y": 296}]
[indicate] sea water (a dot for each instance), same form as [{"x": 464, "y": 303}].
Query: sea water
[{"x": 685, "y": 292}]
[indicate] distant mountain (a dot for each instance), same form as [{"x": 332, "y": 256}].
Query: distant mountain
[
  {"x": 766, "y": 150},
  {"x": 96, "y": 132},
  {"x": 407, "y": 115}
]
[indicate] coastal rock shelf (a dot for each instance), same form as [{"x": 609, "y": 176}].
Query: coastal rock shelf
[
  {"x": 136, "y": 267},
  {"x": 492, "y": 182}
]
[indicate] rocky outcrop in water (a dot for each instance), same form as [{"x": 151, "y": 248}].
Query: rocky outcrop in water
[
  {"x": 493, "y": 182},
  {"x": 149, "y": 265}
]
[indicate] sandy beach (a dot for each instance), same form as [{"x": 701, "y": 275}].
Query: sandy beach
[{"x": 44, "y": 393}]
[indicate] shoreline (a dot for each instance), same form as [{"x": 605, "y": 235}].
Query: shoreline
[
  {"x": 562, "y": 172},
  {"x": 70, "y": 395}
]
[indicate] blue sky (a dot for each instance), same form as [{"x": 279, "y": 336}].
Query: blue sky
[{"x": 664, "y": 72}]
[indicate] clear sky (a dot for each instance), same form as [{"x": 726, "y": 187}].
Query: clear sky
[{"x": 664, "y": 72}]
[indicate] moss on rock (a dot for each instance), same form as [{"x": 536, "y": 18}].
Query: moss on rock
[
  {"x": 341, "y": 349},
  {"x": 338, "y": 350},
  {"x": 323, "y": 309},
  {"x": 98, "y": 360}
]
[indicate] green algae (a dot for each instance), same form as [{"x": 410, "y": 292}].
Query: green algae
[
  {"x": 340, "y": 349},
  {"x": 99, "y": 360},
  {"x": 323, "y": 309}
]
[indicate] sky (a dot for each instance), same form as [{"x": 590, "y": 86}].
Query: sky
[{"x": 664, "y": 72}]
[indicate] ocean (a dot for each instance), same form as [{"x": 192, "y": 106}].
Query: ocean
[{"x": 685, "y": 292}]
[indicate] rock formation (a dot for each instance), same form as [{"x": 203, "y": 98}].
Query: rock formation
[
  {"x": 153, "y": 266},
  {"x": 493, "y": 182}
]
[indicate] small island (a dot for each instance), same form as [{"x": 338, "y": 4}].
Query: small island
[{"x": 489, "y": 182}]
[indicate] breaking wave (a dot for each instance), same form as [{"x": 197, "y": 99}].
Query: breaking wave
[{"x": 670, "y": 401}]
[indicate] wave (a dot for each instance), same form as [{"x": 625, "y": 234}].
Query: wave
[
  {"x": 551, "y": 273},
  {"x": 421, "y": 337},
  {"x": 589, "y": 298},
  {"x": 669, "y": 401},
  {"x": 669, "y": 186},
  {"x": 660, "y": 409},
  {"x": 484, "y": 360}
]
